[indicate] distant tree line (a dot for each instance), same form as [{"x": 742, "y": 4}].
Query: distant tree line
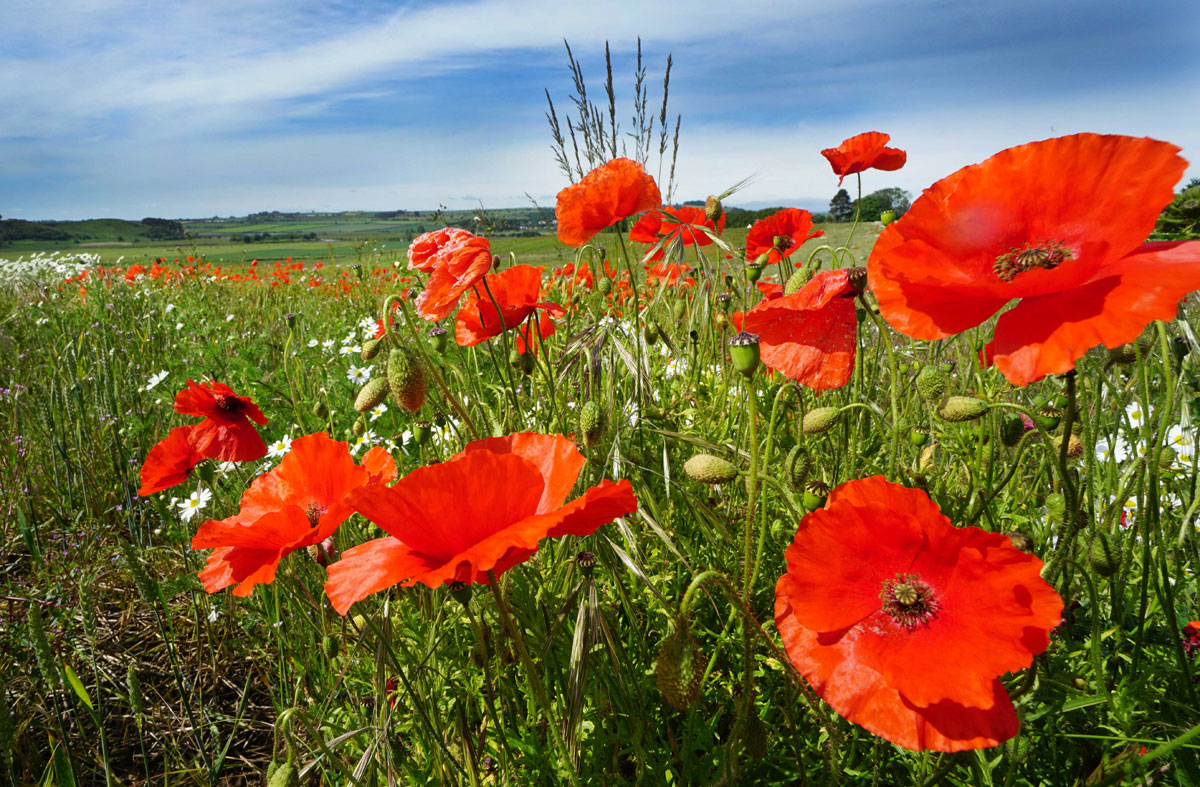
[
  {"x": 12, "y": 230},
  {"x": 17, "y": 229}
]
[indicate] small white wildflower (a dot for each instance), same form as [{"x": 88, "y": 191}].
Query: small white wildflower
[
  {"x": 313, "y": 343},
  {"x": 359, "y": 374},
  {"x": 179, "y": 326},
  {"x": 195, "y": 503},
  {"x": 212, "y": 616},
  {"x": 378, "y": 410},
  {"x": 154, "y": 380},
  {"x": 280, "y": 447},
  {"x": 228, "y": 318},
  {"x": 327, "y": 344}
]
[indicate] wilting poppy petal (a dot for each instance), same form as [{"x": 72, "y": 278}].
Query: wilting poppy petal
[
  {"x": 169, "y": 462},
  {"x": 862, "y": 152},
  {"x": 603, "y": 197}
]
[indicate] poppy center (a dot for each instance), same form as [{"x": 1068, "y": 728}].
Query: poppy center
[
  {"x": 228, "y": 404},
  {"x": 909, "y": 601},
  {"x": 315, "y": 511},
  {"x": 1036, "y": 254},
  {"x": 783, "y": 242}
]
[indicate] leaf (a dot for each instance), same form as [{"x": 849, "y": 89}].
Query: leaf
[{"x": 77, "y": 686}]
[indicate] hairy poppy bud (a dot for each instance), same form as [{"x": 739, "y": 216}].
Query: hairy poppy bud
[
  {"x": 285, "y": 775},
  {"x": 797, "y": 280},
  {"x": 958, "y": 409},
  {"x": 371, "y": 348},
  {"x": 931, "y": 384},
  {"x": 679, "y": 668},
  {"x": 713, "y": 210},
  {"x": 722, "y": 321},
  {"x": 604, "y": 286},
  {"x": 330, "y": 646},
  {"x": 1012, "y": 428},
  {"x": 1056, "y": 505},
  {"x": 371, "y": 395},
  {"x": 1104, "y": 558},
  {"x": 796, "y": 467},
  {"x": 406, "y": 379},
  {"x": 1074, "y": 446},
  {"x": 820, "y": 419},
  {"x": 437, "y": 338},
  {"x": 678, "y": 309},
  {"x": 815, "y": 493},
  {"x": 522, "y": 362},
  {"x": 592, "y": 422},
  {"x": 360, "y": 427},
  {"x": 887, "y": 217},
  {"x": 709, "y": 469},
  {"x": 650, "y": 332},
  {"x": 927, "y": 458},
  {"x": 320, "y": 409},
  {"x": 743, "y": 350}
]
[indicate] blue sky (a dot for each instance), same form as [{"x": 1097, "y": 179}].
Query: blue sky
[{"x": 128, "y": 108}]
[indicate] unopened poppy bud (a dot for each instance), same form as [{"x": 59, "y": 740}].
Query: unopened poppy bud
[
  {"x": 320, "y": 409},
  {"x": 709, "y": 469},
  {"x": 371, "y": 348},
  {"x": 958, "y": 409},
  {"x": 604, "y": 286},
  {"x": 1048, "y": 418},
  {"x": 678, "y": 309},
  {"x": 1166, "y": 458},
  {"x": 371, "y": 395},
  {"x": 1056, "y": 505},
  {"x": 437, "y": 338},
  {"x": 679, "y": 668},
  {"x": 406, "y": 379},
  {"x": 887, "y": 217},
  {"x": 797, "y": 280},
  {"x": 819, "y": 419},
  {"x": 918, "y": 436},
  {"x": 1074, "y": 446},
  {"x": 330, "y": 647},
  {"x": 420, "y": 432},
  {"x": 522, "y": 362},
  {"x": 857, "y": 277},
  {"x": 796, "y": 467},
  {"x": 902, "y": 368},
  {"x": 722, "y": 321},
  {"x": 743, "y": 351},
  {"x": 1104, "y": 558},
  {"x": 713, "y": 210},
  {"x": 285, "y": 775},
  {"x": 360, "y": 427},
  {"x": 1019, "y": 540},
  {"x": 754, "y": 734},
  {"x": 1012, "y": 428},
  {"x": 592, "y": 422},
  {"x": 931, "y": 384},
  {"x": 650, "y": 332},
  {"x": 815, "y": 493}
]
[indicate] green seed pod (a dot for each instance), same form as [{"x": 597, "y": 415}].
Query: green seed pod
[
  {"x": 371, "y": 395},
  {"x": 1012, "y": 428},
  {"x": 722, "y": 321},
  {"x": 931, "y": 383},
  {"x": 137, "y": 705},
  {"x": 918, "y": 436},
  {"x": 285, "y": 775},
  {"x": 958, "y": 409},
  {"x": 371, "y": 348},
  {"x": 796, "y": 281},
  {"x": 592, "y": 423},
  {"x": 815, "y": 493},
  {"x": 679, "y": 668},
  {"x": 820, "y": 419},
  {"x": 743, "y": 351},
  {"x": 41, "y": 648},
  {"x": 1048, "y": 418},
  {"x": 522, "y": 362},
  {"x": 1103, "y": 556},
  {"x": 330, "y": 646},
  {"x": 406, "y": 379},
  {"x": 420, "y": 432},
  {"x": 437, "y": 338},
  {"x": 320, "y": 409},
  {"x": 887, "y": 217},
  {"x": 902, "y": 368},
  {"x": 709, "y": 469}
]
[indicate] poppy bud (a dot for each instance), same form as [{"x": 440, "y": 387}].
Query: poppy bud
[
  {"x": 796, "y": 467},
  {"x": 1104, "y": 558},
  {"x": 330, "y": 646},
  {"x": 406, "y": 379},
  {"x": 371, "y": 395},
  {"x": 709, "y": 469},
  {"x": 604, "y": 286},
  {"x": 887, "y": 217},
  {"x": 420, "y": 432},
  {"x": 1056, "y": 505},
  {"x": 713, "y": 210},
  {"x": 522, "y": 362},
  {"x": 678, "y": 309},
  {"x": 360, "y": 427},
  {"x": 820, "y": 419},
  {"x": 797, "y": 280},
  {"x": 437, "y": 338},
  {"x": 902, "y": 368},
  {"x": 679, "y": 668},
  {"x": 1048, "y": 418},
  {"x": 743, "y": 350},
  {"x": 650, "y": 332},
  {"x": 285, "y": 775},
  {"x": 1012, "y": 428},
  {"x": 958, "y": 409},
  {"x": 722, "y": 321},
  {"x": 371, "y": 348},
  {"x": 918, "y": 436},
  {"x": 320, "y": 409},
  {"x": 1166, "y": 458},
  {"x": 753, "y": 734},
  {"x": 592, "y": 422},
  {"x": 815, "y": 493},
  {"x": 931, "y": 384}
]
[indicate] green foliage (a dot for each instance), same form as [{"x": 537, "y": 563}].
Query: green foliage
[
  {"x": 1181, "y": 219},
  {"x": 840, "y": 207}
]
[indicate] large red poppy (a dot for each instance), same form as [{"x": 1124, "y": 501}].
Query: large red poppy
[
  {"x": 170, "y": 462},
  {"x": 458, "y": 264},
  {"x": 790, "y": 226},
  {"x": 483, "y": 510},
  {"x": 516, "y": 291},
  {"x": 299, "y": 503},
  {"x": 226, "y": 433},
  {"x": 1059, "y": 224},
  {"x": 862, "y": 152},
  {"x": 682, "y": 223},
  {"x": 809, "y": 336},
  {"x": 604, "y": 196},
  {"x": 422, "y": 252},
  {"x": 904, "y": 623}
]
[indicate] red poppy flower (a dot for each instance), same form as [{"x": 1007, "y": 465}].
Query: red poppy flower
[
  {"x": 607, "y": 194},
  {"x": 226, "y": 433},
  {"x": 170, "y": 462},
  {"x": 422, "y": 252},
  {"x": 483, "y": 510},
  {"x": 769, "y": 289},
  {"x": 781, "y": 234},
  {"x": 1059, "y": 224},
  {"x": 809, "y": 336},
  {"x": 863, "y": 152},
  {"x": 667, "y": 274},
  {"x": 516, "y": 291},
  {"x": 299, "y": 503},
  {"x": 683, "y": 224},
  {"x": 903, "y": 623},
  {"x": 1191, "y": 637}
]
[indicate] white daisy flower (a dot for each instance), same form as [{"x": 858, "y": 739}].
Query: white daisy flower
[
  {"x": 351, "y": 349},
  {"x": 195, "y": 503},
  {"x": 367, "y": 324},
  {"x": 359, "y": 374},
  {"x": 313, "y": 343},
  {"x": 378, "y": 410},
  {"x": 327, "y": 344},
  {"x": 154, "y": 380},
  {"x": 280, "y": 447}
]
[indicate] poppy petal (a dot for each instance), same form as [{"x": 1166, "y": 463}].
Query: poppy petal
[
  {"x": 556, "y": 458},
  {"x": 241, "y": 566},
  {"x": 369, "y": 568},
  {"x": 606, "y": 195},
  {"x": 169, "y": 462}
]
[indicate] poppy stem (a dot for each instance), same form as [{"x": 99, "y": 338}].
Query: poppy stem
[{"x": 535, "y": 680}]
